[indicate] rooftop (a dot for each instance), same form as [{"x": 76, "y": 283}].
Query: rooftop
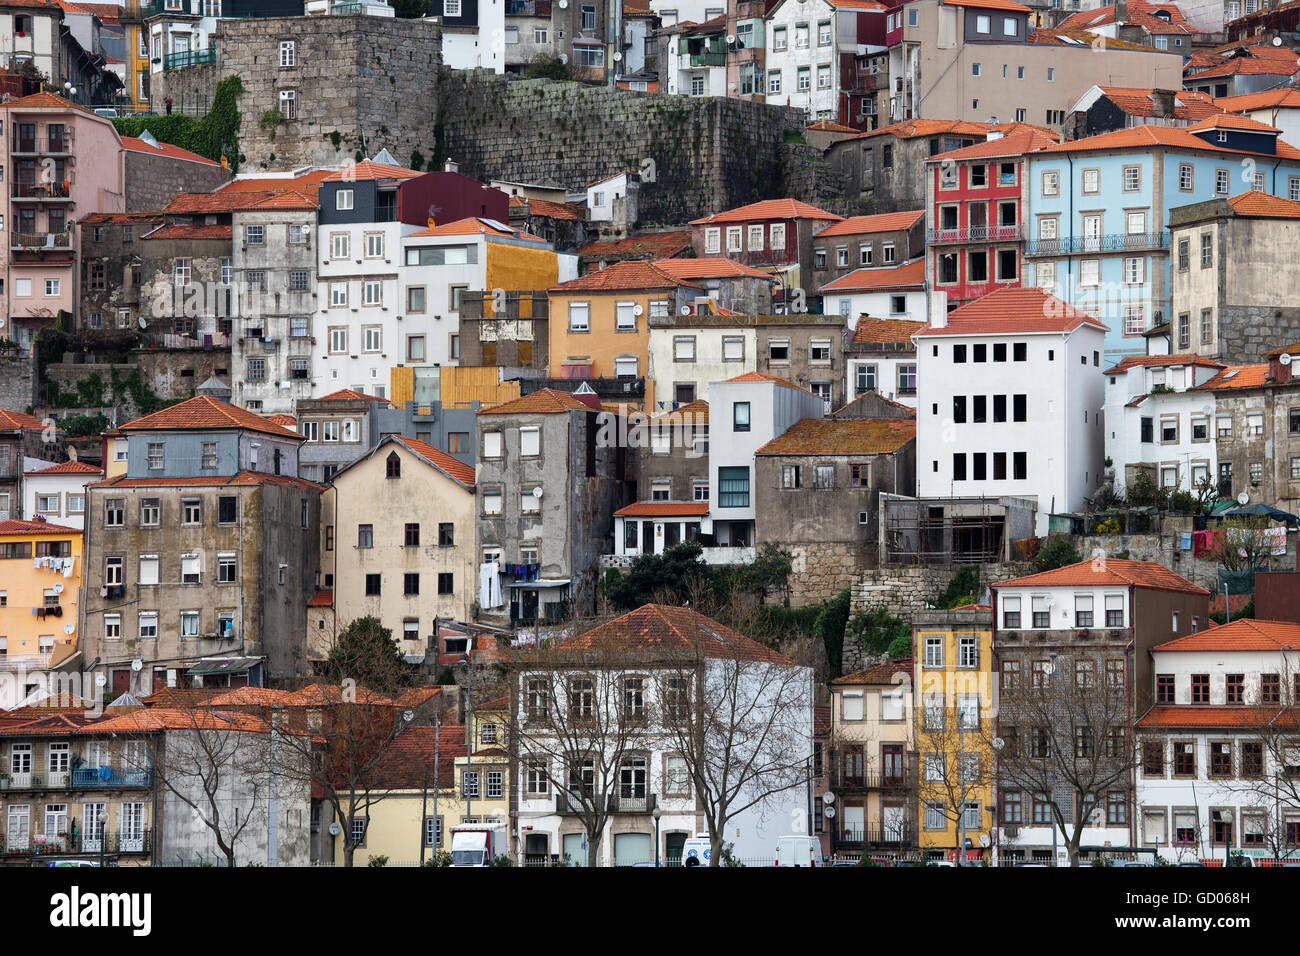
[
  {"x": 649, "y": 245},
  {"x": 769, "y": 209},
  {"x": 68, "y": 468},
  {"x": 136, "y": 145},
  {"x": 661, "y": 627},
  {"x": 708, "y": 267},
  {"x": 848, "y": 436},
  {"x": 1238, "y": 376},
  {"x": 369, "y": 169},
  {"x": 1243, "y": 634},
  {"x": 1109, "y": 573},
  {"x": 11, "y": 421},
  {"x": 1011, "y": 310},
  {"x": 881, "y": 222},
  {"x": 879, "y": 674},
  {"x": 871, "y": 331},
  {"x": 545, "y": 401},
  {"x": 15, "y": 526},
  {"x": 1157, "y": 361},
  {"x": 626, "y": 275},
  {"x": 205, "y": 412},
  {"x": 909, "y": 275}
]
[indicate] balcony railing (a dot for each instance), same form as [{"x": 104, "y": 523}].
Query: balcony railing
[
  {"x": 176, "y": 61},
  {"x": 708, "y": 59},
  {"x": 890, "y": 836},
  {"x": 59, "y": 190},
  {"x": 1112, "y": 242},
  {"x": 24, "y": 662},
  {"x": 135, "y": 841},
  {"x": 21, "y": 781},
  {"x": 157, "y": 8},
  {"x": 42, "y": 144},
  {"x": 975, "y": 234},
  {"x": 110, "y": 777},
  {"x": 614, "y": 803},
  {"x": 39, "y": 241},
  {"x": 842, "y": 780}
]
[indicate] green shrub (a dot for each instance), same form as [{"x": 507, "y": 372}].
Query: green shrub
[
  {"x": 901, "y": 648},
  {"x": 1057, "y": 551},
  {"x": 380, "y": 860}
]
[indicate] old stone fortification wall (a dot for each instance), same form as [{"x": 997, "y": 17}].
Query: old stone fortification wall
[{"x": 17, "y": 382}]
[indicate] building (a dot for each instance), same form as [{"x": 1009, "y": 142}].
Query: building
[
  {"x": 745, "y": 413},
  {"x": 547, "y": 490},
  {"x": 953, "y": 677},
  {"x": 873, "y": 762},
  {"x": 775, "y": 236},
  {"x": 611, "y": 203},
  {"x": 1279, "y": 108},
  {"x": 1242, "y": 70},
  {"x": 1105, "y": 108},
  {"x": 895, "y": 291},
  {"x": 208, "y": 547},
  {"x": 733, "y": 286},
  {"x": 25, "y": 445},
  {"x": 57, "y": 493},
  {"x": 1212, "y": 779},
  {"x": 881, "y": 358},
  {"x": 47, "y": 136},
  {"x": 676, "y": 665},
  {"x": 473, "y": 34},
  {"x": 528, "y": 34},
  {"x": 34, "y": 31},
  {"x": 689, "y": 352},
  {"x": 155, "y": 172},
  {"x": 978, "y": 199},
  {"x": 1078, "y": 637},
  {"x": 1043, "y": 443},
  {"x": 1221, "y": 308},
  {"x": 818, "y": 488},
  {"x": 40, "y": 604},
  {"x": 864, "y": 242},
  {"x": 406, "y": 555},
  {"x": 656, "y": 246},
  {"x": 1160, "y": 26}
]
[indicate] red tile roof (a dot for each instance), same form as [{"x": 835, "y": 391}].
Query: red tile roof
[
  {"x": 1247, "y": 66},
  {"x": 121, "y": 217},
  {"x": 136, "y": 145},
  {"x": 175, "y": 697},
  {"x": 283, "y": 419},
  {"x": 861, "y": 6},
  {"x": 542, "y": 402},
  {"x": 15, "y": 526},
  {"x": 307, "y": 183},
  {"x": 628, "y": 275},
  {"x": 155, "y": 719},
  {"x": 650, "y": 245},
  {"x": 408, "y": 762},
  {"x": 1010, "y": 5},
  {"x": 1109, "y": 573},
  {"x": 550, "y": 210},
  {"x": 764, "y": 377},
  {"x": 1011, "y": 310},
  {"x": 909, "y": 129},
  {"x": 1140, "y": 14},
  {"x": 322, "y": 598},
  {"x": 708, "y": 267},
  {"x": 675, "y": 630},
  {"x": 201, "y": 481},
  {"x": 821, "y": 720},
  {"x": 879, "y": 674},
  {"x": 1211, "y": 716},
  {"x": 1156, "y": 361},
  {"x": 1137, "y": 101},
  {"x": 347, "y": 394},
  {"x": 453, "y": 467},
  {"x": 1262, "y": 205},
  {"x": 14, "y": 421},
  {"x": 68, "y": 468},
  {"x": 1145, "y": 137},
  {"x": 369, "y": 169},
  {"x": 1015, "y": 144},
  {"x": 910, "y": 275},
  {"x": 848, "y": 436},
  {"x": 1243, "y": 634},
  {"x": 203, "y": 412},
  {"x": 881, "y": 222},
  {"x": 826, "y": 126},
  {"x": 184, "y": 230},
  {"x": 666, "y": 509},
  {"x": 1238, "y": 376},
  {"x": 44, "y": 100},
  {"x": 248, "y": 697},
  {"x": 769, "y": 209},
  {"x": 473, "y": 226},
  {"x": 1233, "y": 121},
  {"x": 1286, "y": 96},
  {"x": 239, "y": 200},
  {"x": 871, "y": 331}
]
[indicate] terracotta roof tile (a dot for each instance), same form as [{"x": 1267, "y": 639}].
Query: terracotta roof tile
[
  {"x": 347, "y": 394},
  {"x": 1237, "y": 376},
  {"x": 769, "y": 209},
  {"x": 185, "y": 230},
  {"x": 15, "y": 526},
  {"x": 283, "y": 419},
  {"x": 1010, "y": 5},
  {"x": 1247, "y": 66},
  {"x": 454, "y": 467},
  {"x": 155, "y": 719},
  {"x": 628, "y": 275},
  {"x": 1112, "y": 572},
  {"x": 474, "y": 226},
  {"x": 180, "y": 696},
  {"x": 821, "y": 720},
  {"x": 1286, "y": 96},
  {"x": 1264, "y": 205},
  {"x": 708, "y": 267},
  {"x": 241, "y": 478},
  {"x": 238, "y": 200},
  {"x": 1174, "y": 716},
  {"x": 910, "y": 275},
  {"x": 68, "y": 468},
  {"x": 1156, "y": 361},
  {"x": 408, "y": 762},
  {"x": 879, "y": 674},
  {"x": 322, "y": 694},
  {"x": 764, "y": 377},
  {"x": 137, "y": 145},
  {"x": 848, "y": 436},
  {"x": 882, "y": 222},
  {"x": 826, "y": 126},
  {"x": 1014, "y": 309},
  {"x": 666, "y": 509},
  {"x": 544, "y": 401},
  {"x": 248, "y": 697},
  {"x": 203, "y": 412},
  {"x": 322, "y": 598},
  {"x": 1233, "y": 121},
  {"x": 550, "y": 210},
  {"x": 307, "y": 183},
  {"x": 1016, "y": 144},
  {"x": 369, "y": 169},
  {"x": 861, "y": 6},
  {"x": 43, "y": 100},
  {"x": 13, "y": 421},
  {"x": 1243, "y": 634},
  {"x": 1146, "y": 137},
  {"x": 649, "y": 245},
  {"x": 872, "y": 331},
  {"x": 674, "y": 630},
  {"x": 121, "y": 217},
  {"x": 1188, "y": 104}
]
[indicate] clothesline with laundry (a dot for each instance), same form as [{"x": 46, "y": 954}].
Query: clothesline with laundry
[{"x": 55, "y": 564}]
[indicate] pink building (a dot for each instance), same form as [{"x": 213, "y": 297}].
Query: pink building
[{"x": 46, "y": 190}]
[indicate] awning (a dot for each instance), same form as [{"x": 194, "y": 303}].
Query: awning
[
  {"x": 575, "y": 370},
  {"x": 224, "y": 665},
  {"x": 541, "y": 583}
]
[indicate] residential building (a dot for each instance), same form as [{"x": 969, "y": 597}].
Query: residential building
[
  {"x": 733, "y": 286},
  {"x": 1279, "y": 108},
  {"x": 745, "y": 413},
  {"x": 474, "y": 34},
  {"x": 40, "y": 603},
  {"x": 611, "y": 203},
  {"x": 1221, "y": 307},
  {"x": 953, "y": 677},
  {"x": 1157, "y": 422},
  {"x": 546, "y": 493},
  {"x": 898, "y": 292},
  {"x": 696, "y": 57},
  {"x": 818, "y": 488},
  {"x": 181, "y": 33},
  {"x": 1161, "y": 26},
  {"x": 23, "y": 447},
  {"x": 978, "y": 198},
  {"x": 873, "y": 761},
  {"x": 1257, "y": 430},
  {"x": 1103, "y": 109},
  {"x": 881, "y": 358},
  {"x": 57, "y": 493},
  {"x": 404, "y": 555},
  {"x": 1085, "y": 627},
  {"x": 46, "y": 137},
  {"x": 864, "y": 242},
  {"x": 1210, "y": 747},
  {"x": 585, "y": 31},
  {"x": 775, "y": 236},
  {"x": 682, "y": 659},
  {"x": 528, "y": 33},
  {"x": 1242, "y": 70},
  {"x": 689, "y": 352},
  {"x": 1099, "y": 209},
  {"x": 562, "y": 224},
  {"x": 34, "y": 31},
  {"x": 656, "y": 246},
  {"x": 1218, "y": 14},
  {"x": 1043, "y": 443},
  {"x": 208, "y": 547},
  {"x": 112, "y": 272},
  {"x": 155, "y": 172}
]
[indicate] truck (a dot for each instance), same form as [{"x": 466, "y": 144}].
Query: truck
[{"x": 477, "y": 844}]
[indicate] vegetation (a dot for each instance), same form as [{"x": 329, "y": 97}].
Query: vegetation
[
  {"x": 961, "y": 590},
  {"x": 366, "y": 653},
  {"x": 1247, "y": 610},
  {"x": 544, "y": 67},
  {"x": 679, "y": 575},
  {"x": 877, "y": 631},
  {"x": 214, "y": 136},
  {"x": 410, "y": 9},
  {"x": 830, "y": 625},
  {"x": 80, "y": 426},
  {"x": 901, "y": 648},
  {"x": 1057, "y": 551},
  {"x": 271, "y": 121}
]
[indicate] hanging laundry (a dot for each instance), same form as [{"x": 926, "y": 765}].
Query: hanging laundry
[
  {"x": 67, "y": 567},
  {"x": 1185, "y": 541}
]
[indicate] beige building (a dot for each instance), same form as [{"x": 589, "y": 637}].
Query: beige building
[{"x": 401, "y": 545}]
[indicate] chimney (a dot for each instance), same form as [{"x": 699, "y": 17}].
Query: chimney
[
  {"x": 938, "y": 310},
  {"x": 451, "y": 166},
  {"x": 1163, "y": 103},
  {"x": 1279, "y": 367}
]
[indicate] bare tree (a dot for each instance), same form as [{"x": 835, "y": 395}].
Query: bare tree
[
  {"x": 1242, "y": 544},
  {"x": 956, "y": 760},
  {"x": 1064, "y": 739}
]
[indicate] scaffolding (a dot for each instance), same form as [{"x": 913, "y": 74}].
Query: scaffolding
[{"x": 952, "y": 531}]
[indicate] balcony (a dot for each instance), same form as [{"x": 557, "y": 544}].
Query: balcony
[
  {"x": 101, "y": 778},
  {"x": 40, "y": 145},
  {"x": 21, "y": 781},
  {"x": 615, "y": 803},
  {"x": 897, "y": 836},
  {"x": 975, "y": 234},
  {"x": 1113, "y": 242},
  {"x": 708, "y": 59},
  {"x": 134, "y": 841},
  {"x": 157, "y": 8},
  {"x": 24, "y": 662},
  {"x": 60, "y": 191},
  {"x": 177, "y": 61},
  {"x": 862, "y": 782}
]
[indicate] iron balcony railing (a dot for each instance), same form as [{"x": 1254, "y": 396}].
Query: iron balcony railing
[
  {"x": 904, "y": 835},
  {"x": 59, "y": 190},
  {"x": 176, "y": 61},
  {"x": 101, "y": 777},
  {"x": 614, "y": 803},
  {"x": 1112, "y": 242},
  {"x": 708, "y": 59},
  {"x": 975, "y": 234},
  {"x": 37, "y": 845},
  {"x": 905, "y": 779},
  {"x": 36, "y": 241},
  {"x": 42, "y": 144}
]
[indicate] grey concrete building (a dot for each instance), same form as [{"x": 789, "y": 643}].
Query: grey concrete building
[
  {"x": 208, "y": 546},
  {"x": 155, "y": 172},
  {"x": 22, "y": 439},
  {"x": 673, "y": 460},
  {"x": 888, "y": 164},
  {"x": 547, "y": 489},
  {"x": 863, "y": 242}
]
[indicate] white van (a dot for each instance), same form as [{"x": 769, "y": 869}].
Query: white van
[
  {"x": 696, "y": 851},
  {"x": 797, "y": 850}
]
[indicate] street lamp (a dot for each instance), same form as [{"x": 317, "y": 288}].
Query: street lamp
[
  {"x": 656, "y": 813},
  {"x": 469, "y": 723}
]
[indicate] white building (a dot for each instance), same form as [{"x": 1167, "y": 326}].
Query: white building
[
  {"x": 613, "y": 199},
  {"x": 684, "y": 659},
  {"x": 1209, "y": 751},
  {"x": 804, "y": 43},
  {"x": 58, "y": 493},
  {"x": 745, "y": 413},
  {"x": 894, "y": 292},
  {"x": 473, "y": 40},
  {"x": 1155, "y": 422},
  {"x": 696, "y": 58},
  {"x": 1009, "y": 401},
  {"x": 881, "y": 357}
]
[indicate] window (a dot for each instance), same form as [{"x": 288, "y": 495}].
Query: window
[
  {"x": 289, "y": 104},
  {"x": 191, "y": 568},
  {"x": 226, "y": 567},
  {"x": 740, "y": 416},
  {"x": 1200, "y": 688},
  {"x": 1207, "y": 250},
  {"x": 733, "y": 349},
  {"x": 579, "y": 317},
  {"x": 191, "y": 511},
  {"x": 733, "y": 487}
]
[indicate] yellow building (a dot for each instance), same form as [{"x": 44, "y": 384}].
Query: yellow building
[
  {"x": 600, "y": 323},
  {"x": 40, "y": 590},
  {"x": 872, "y": 756},
  {"x": 137, "y": 52},
  {"x": 954, "y": 730}
]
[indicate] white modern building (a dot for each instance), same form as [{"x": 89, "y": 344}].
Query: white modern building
[
  {"x": 893, "y": 292},
  {"x": 745, "y": 413},
  {"x": 1215, "y": 776},
  {"x": 474, "y": 35},
  {"x": 1009, "y": 401},
  {"x": 881, "y": 357},
  {"x": 1156, "y": 422},
  {"x": 58, "y": 493},
  {"x": 805, "y": 43}
]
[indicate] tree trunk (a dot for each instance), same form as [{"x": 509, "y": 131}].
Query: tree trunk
[
  {"x": 593, "y": 851},
  {"x": 715, "y": 850}
]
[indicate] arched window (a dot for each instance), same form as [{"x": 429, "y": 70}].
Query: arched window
[{"x": 394, "y": 465}]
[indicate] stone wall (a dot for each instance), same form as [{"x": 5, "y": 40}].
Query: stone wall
[
  {"x": 152, "y": 181},
  {"x": 1164, "y": 549},
  {"x": 17, "y": 382},
  {"x": 190, "y": 88},
  {"x": 169, "y": 373},
  {"x": 1247, "y": 333},
  {"x": 822, "y": 571}
]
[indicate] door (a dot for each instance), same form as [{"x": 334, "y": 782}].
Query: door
[
  {"x": 633, "y": 848},
  {"x": 19, "y": 831},
  {"x": 536, "y": 849},
  {"x": 854, "y": 767},
  {"x": 575, "y": 848},
  {"x": 891, "y": 763},
  {"x": 892, "y": 823},
  {"x": 92, "y": 827},
  {"x": 131, "y": 825},
  {"x": 674, "y": 845},
  {"x": 121, "y": 682},
  {"x": 181, "y": 43},
  {"x": 1091, "y": 233}
]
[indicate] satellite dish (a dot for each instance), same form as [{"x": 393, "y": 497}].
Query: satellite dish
[
  {"x": 829, "y": 811},
  {"x": 1285, "y": 358},
  {"x": 686, "y": 310},
  {"x": 1207, "y": 409},
  {"x": 1243, "y": 498},
  {"x": 2, "y": 323},
  {"x": 137, "y": 664},
  {"x": 984, "y": 840},
  {"x": 100, "y": 680},
  {"x": 58, "y": 587},
  {"x": 637, "y": 310},
  {"x": 564, "y": 58},
  {"x": 537, "y": 492},
  {"x": 998, "y": 743},
  {"x": 408, "y": 715},
  {"x": 828, "y": 798},
  {"x": 142, "y": 322},
  {"x": 69, "y": 628},
  {"x": 731, "y": 38},
  {"x": 335, "y": 829},
  {"x": 1277, "y": 41},
  {"x": 564, "y": 4},
  {"x": 617, "y": 56}
]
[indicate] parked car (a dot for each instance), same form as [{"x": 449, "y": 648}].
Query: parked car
[{"x": 798, "y": 850}]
